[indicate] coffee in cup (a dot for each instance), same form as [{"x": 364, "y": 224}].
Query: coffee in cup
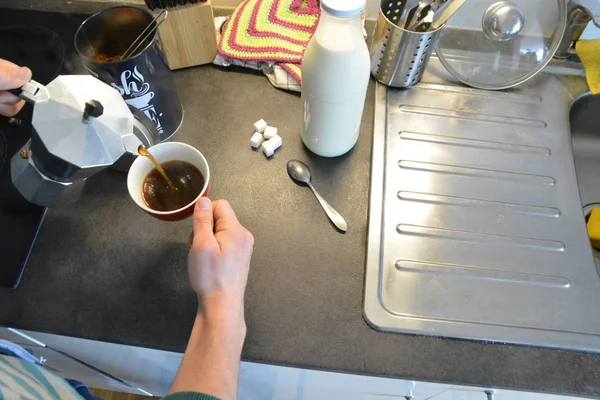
[
  {"x": 188, "y": 174},
  {"x": 186, "y": 184}
]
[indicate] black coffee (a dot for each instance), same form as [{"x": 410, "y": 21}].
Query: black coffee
[{"x": 158, "y": 194}]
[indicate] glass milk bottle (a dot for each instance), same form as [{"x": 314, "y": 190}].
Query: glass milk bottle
[{"x": 335, "y": 75}]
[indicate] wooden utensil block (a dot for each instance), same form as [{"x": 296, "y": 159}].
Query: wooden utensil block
[{"x": 188, "y": 35}]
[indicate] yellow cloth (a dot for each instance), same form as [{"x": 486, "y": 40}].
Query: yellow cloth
[
  {"x": 589, "y": 53},
  {"x": 593, "y": 227}
]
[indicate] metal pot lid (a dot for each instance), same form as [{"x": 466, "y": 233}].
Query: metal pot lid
[
  {"x": 491, "y": 44},
  {"x": 82, "y": 120}
]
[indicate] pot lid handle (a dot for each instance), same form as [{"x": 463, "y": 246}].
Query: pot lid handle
[{"x": 93, "y": 109}]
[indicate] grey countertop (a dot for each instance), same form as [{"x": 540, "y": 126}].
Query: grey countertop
[{"x": 102, "y": 269}]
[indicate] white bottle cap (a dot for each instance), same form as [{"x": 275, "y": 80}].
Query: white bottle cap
[{"x": 343, "y": 8}]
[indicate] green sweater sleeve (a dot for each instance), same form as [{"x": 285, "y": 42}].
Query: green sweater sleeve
[{"x": 189, "y": 396}]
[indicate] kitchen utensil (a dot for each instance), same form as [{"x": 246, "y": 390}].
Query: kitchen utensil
[
  {"x": 145, "y": 130},
  {"x": 188, "y": 35},
  {"x": 144, "y": 79},
  {"x": 80, "y": 126},
  {"x": 436, "y": 4},
  {"x": 423, "y": 23},
  {"x": 301, "y": 173},
  {"x": 399, "y": 56},
  {"x": 164, "y": 152},
  {"x": 500, "y": 44},
  {"x": 415, "y": 15},
  {"x": 404, "y": 7},
  {"x": 145, "y": 34},
  {"x": 445, "y": 12},
  {"x": 428, "y": 15}
]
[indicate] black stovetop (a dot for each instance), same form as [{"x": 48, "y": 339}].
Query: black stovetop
[{"x": 44, "y": 42}]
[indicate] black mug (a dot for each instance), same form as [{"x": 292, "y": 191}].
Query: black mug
[{"x": 144, "y": 78}]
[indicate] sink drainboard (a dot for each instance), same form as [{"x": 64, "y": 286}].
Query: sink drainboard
[{"x": 476, "y": 227}]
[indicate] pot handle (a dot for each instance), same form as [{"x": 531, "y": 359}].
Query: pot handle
[{"x": 32, "y": 92}]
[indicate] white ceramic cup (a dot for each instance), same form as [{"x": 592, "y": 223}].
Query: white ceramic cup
[{"x": 163, "y": 152}]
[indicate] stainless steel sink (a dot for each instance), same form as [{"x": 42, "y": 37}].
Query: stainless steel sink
[
  {"x": 476, "y": 225},
  {"x": 585, "y": 135}
]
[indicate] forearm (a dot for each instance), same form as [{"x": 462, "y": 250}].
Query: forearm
[
  {"x": 211, "y": 361},
  {"x": 218, "y": 265}
]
